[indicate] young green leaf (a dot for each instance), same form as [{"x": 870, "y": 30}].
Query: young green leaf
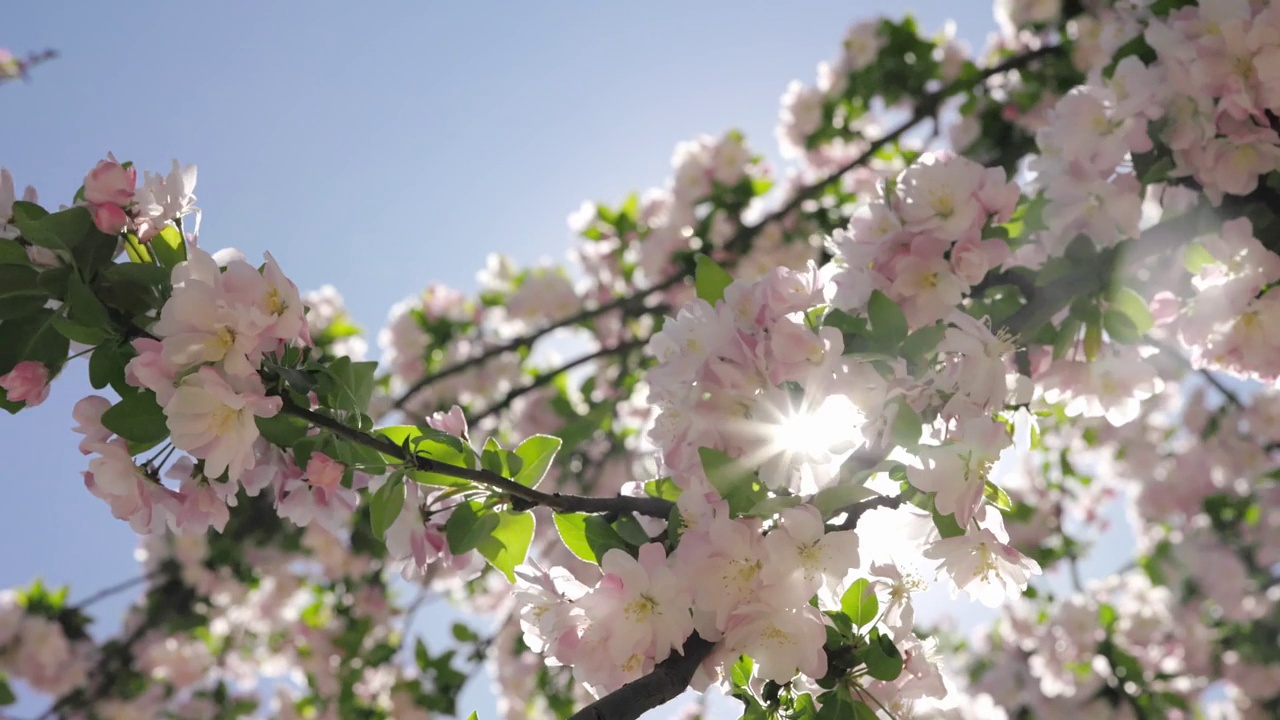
[
  {"x": 710, "y": 280},
  {"x": 587, "y": 536},
  {"x": 138, "y": 419},
  {"x": 907, "y": 425},
  {"x": 386, "y": 504},
  {"x": 888, "y": 324},
  {"x": 736, "y": 484},
  {"x": 507, "y": 544},
  {"x": 882, "y": 658},
  {"x": 469, "y": 526},
  {"x": 536, "y": 454},
  {"x": 859, "y": 602},
  {"x": 997, "y": 496},
  {"x": 32, "y": 337}
]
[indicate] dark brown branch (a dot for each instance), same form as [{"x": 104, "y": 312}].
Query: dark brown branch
[
  {"x": 854, "y": 512},
  {"x": 670, "y": 678},
  {"x": 654, "y": 507},
  {"x": 925, "y": 109}
]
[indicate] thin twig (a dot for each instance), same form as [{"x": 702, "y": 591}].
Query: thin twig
[
  {"x": 925, "y": 109},
  {"x": 547, "y": 377},
  {"x": 115, "y": 589}
]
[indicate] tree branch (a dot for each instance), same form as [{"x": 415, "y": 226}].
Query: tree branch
[
  {"x": 116, "y": 589},
  {"x": 653, "y": 507},
  {"x": 854, "y": 512},
  {"x": 546, "y": 377},
  {"x": 925, "y": 109},
  {"x": 670, "y": 678}
]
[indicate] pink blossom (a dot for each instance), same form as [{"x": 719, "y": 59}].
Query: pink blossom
[
  {"x": 782, "y": 642},
  {"x": 985, "y": 568},
  {"x": 163, "y": 199},
  {"x": 27, "y": 382},
  {"x": 802, "y": 558},
  {"x": 212, "y": 417},
  {"x": 88, "y": 414},
  {"x": 109, "y": 219},
  {"x": 324, "y": 472},
  {"x": 453, "y": 422},
  {"x": 110, "y": 183},
  {"x": 640, "y": 605},
  {"x": 149, "y": 369}
]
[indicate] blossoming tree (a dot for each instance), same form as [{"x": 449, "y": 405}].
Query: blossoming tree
[{"x": 988, "y": 298}]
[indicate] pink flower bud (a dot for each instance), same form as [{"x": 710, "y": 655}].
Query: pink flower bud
[
  {"x": 27, "y": 382},
  {"x": 110, "y": 182},
  {"x": 324, "y": 472},
  {"x": 452, "y": 422},
  {"x": 109, "y": 218}
]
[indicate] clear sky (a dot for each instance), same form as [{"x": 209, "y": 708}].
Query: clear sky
[{"x": 378, "y": 147}]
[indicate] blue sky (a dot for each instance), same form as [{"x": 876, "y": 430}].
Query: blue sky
[{"x": 375, "y": 148}]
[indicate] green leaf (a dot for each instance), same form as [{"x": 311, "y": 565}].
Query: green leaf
[
  {"x": 1120, "y": 328},
  {"x": 947, "y": 525},
  {"x": 882, "y": 658},
  {"x": 12, "y": 253},
  {"x": 736, "y": 484},
  {"x": 6, "y": 693},
  {"x": 740, "y": 673},
  {"x": 281, "y": 430},
  {"x": 83, "y": 306},
  {"x": 631, "y": 530},
  {"x": 462, "y": 633},
  {"x": 168, "y": 246},
  {"x": 536, "y": 454},
  {"x": 494, "y": 459},
  {"x": 709, "y": 279},
  {"x": 845, "y": 323},
  {"x": 997, "y": 496},
  {"x": 921, "y": 342},
  {"x": 106, "y": 364},
  {"x": 60, "y": 231},
  {"x": 888, "y": 324},
  {"x": 587, "y": 536},
  {"x": 838, "y": 704},
  {"x": 440, "y": 447},
  {"x": 1195, "y": 256},
  {"x": 352, "y": 384},
  {"x": 834, "y": 498},
  {"x": 1134, "y": 307},
  {"x": 907, "y": 425},
  {"x": 1067, "y": 334},
  {"x": 386, "y": 504},
  {"x": 860, "y": 603},
  {"x": 508, "y": 544},
  {"x": 1107, "y": 616},
  {"x": 20, "y": 292},
  {"x": 468, "y": 526},
  {"x": 54, "y": 281},
  {"x": 75, "y": 332},
  {"x": 664, "y": 488},
  {"x": 138, "y": 419},
  {"x": 149, "y": 275},
  {"x": 95, "y": 252},
  {"x": 24, "y": 211},
  {"x": 1158, "y": 172},
  {"x": 32, "y": 337}
]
